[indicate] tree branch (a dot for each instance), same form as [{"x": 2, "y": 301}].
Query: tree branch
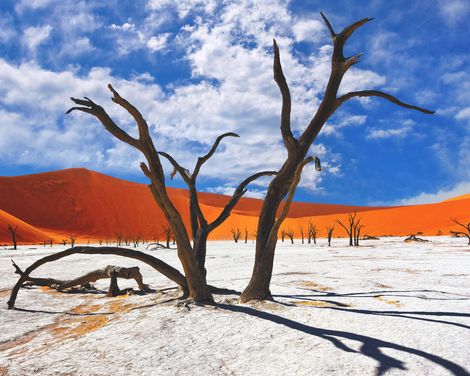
[
  {"x": 204, "y": 158},
  {"x": 286, "y": 131},
  {"x": 290, "y": 196},
  {"x": 239, "y": 192},
  {"x": 92, "y": 108},
  {"x": 135, "y": 113},
  {"x": 328, "y": 25},
  {"x": 376, "y": 93}
]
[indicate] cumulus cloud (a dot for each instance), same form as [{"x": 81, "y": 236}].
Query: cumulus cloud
[
  {"x": 441, "y": 195},
  {"x": 34, "y": 36}
]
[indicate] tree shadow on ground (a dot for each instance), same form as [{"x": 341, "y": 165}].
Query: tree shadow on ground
[
  {"x": 370, "y": 347},
  {"x": 391, "y": 293}
]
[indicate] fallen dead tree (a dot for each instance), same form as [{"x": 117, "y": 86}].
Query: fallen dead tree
[
  {"x": 414, "y": 238},
  {"x": 86, "y": 279},
  {"x": 162, "y": 267}
]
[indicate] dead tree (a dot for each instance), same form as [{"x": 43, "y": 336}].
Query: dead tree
[
  {"x": 168, "y": 233},
  {"x": 162, "y": 267},
  {"x": 200, "y": 228},
  {"x": 349, "y": 227},
  {"x": 236, "y": 233},
  {"x": 86, "y": 279},
  {"x": 312, "y": 233},
  {"x": 246, "y": 235},
  {"x": 290, "y": 235},
  {"x": 72, "y": 239},
  {"x": 135, "y": 241},
  {"x": 153, "y": 170},
  {"x": 466, "y": 228},
  {"x": 302, "y": 235},
  {"x": 329, "y": 233},
  {"x": 414, "y": 238},
  {"x": 357, "y": 232},
  {"x": 13, "y": 235},
  {"x": 297, "y": 149},
  {"x": 283, "y": 235}
]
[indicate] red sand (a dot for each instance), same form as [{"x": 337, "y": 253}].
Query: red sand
[{"x": 94, "y": 206}]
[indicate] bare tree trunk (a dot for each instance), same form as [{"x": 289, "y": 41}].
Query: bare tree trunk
[
  {"x": 297, "y": 148},
  {"x": 13, "y": 235},
  {"x": 167, "y": 270}
]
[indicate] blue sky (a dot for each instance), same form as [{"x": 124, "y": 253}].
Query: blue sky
[{"x": 197, "y": 69}]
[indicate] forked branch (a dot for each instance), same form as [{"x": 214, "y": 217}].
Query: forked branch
[{"x": 204, "y": 158}]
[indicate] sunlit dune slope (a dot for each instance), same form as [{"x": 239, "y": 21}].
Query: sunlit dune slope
[
  {"x": 461, "y": 197},
  {"x": 94, "y": 206},
  {"x": 25, "y": 233}
]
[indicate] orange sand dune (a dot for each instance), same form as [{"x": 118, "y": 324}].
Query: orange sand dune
[
  {"x": 25, "y": 233},
  {"x": 94, "y": 206},
  {"x": 461, "y": 197}
]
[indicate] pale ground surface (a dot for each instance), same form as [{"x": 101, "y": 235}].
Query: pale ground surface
[{"x": 384, "y": 308}]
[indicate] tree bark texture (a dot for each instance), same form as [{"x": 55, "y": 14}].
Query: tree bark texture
[{"x": 297, "y": 148}]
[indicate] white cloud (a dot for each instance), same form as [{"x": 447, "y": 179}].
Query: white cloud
[
  {"x": 454, "y": 11},
  {"x": 441, "y": 195},
  {"x": 158, "y": 43},
  {"x": 228, "y": 191},
  {"x": 463, "y": 114},
  {"x": 22, "y": 5},
  {"x": 387, "y": 133},
  {"x": 308, "y": 30},
  {"x": 34, "y": 36}
]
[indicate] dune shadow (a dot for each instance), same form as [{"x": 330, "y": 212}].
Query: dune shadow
[{"x": 370, "y": 347}]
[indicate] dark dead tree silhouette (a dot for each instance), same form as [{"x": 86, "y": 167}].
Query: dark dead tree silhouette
[
  {"x": 311, "y": 232},
  {"x": 357, "y": 232},
  {"x": 167, "y": 233},
  {"x": 466, "y": 228},
  {"x": 350, "y": 226},
  {"x": 302, "y": 234},
  {"x": 200, "y": 227},
  {"x": 246, "y": 234},
  {"x": 153, "y": 170},
  {"x": 329, "y": 233},
  {"x": 290, "y": 235},
  {"x": 162, "y": 267},
  {"x": 236, "y": 234},
  {"x": 297, "y": 149},
  {"x": 13, "y": 235},
  {"x": 72, "y": 240},
  {"x": 283, "y": 235}
]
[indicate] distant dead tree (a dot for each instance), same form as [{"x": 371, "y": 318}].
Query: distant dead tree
[
  {"x": 72, "y": 239},
  {"x": 464, "y": 226},
  {"x": 168, "y": 234},
  {"x": 311, "y": 232},
  {"x": 64, "y": 242},
  {"x": 329, "y": 233},
  {"x": 119, "y": 237},
  {"x": 135, "y": 241},
  {"x": 297, "y": 148},
  {"x": 290, "y": 235},
  {"x": 236, "y": 234},
  {"x": 414, "y": 238},
  {"x": 283, "y": 235},
  {"x": 352, "y": 227},
  {"x": 302, "y": 234},
  {"x": 357, "y": 232},
  {"x": 246, "y": 235},
  {"x": 13, "y": 235}
]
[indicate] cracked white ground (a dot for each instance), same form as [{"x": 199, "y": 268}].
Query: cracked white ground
[{"x": 386, "y": 307}]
